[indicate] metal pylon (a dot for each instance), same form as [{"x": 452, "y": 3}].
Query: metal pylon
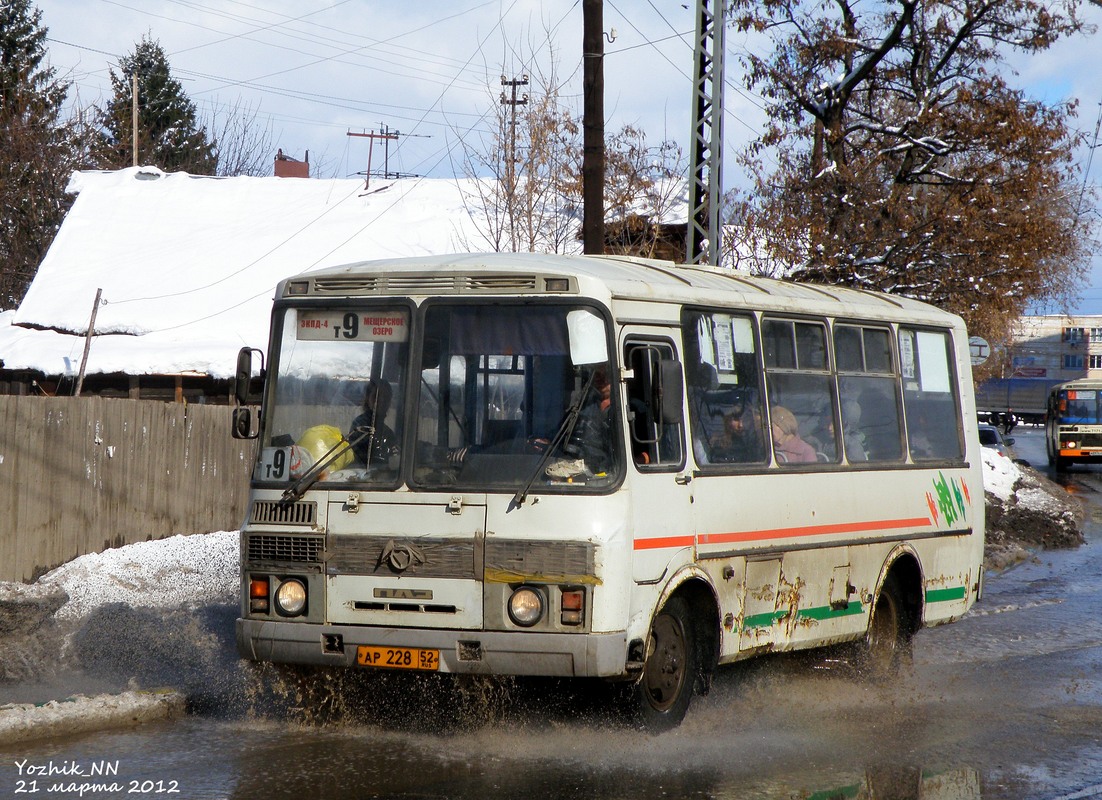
[{"x": 706, "y": 154}]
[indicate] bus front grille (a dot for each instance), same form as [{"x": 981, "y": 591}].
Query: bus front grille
[
  {"x": 458, "y": 558},
  {"x": 271, "y": 512},
  {"x": 540, "y": 557},
  {"x": 287, "y": 549}
]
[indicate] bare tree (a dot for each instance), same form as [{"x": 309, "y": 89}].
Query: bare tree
[
  {"x": 645, "y": 191},
  {"x": 904, "y": 161},
  {"x": 244, "y": 141},
  {"x": 517, "y": 171}
]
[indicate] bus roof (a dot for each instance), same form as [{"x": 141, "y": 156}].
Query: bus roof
[
  {"x": 1077, "y": 383},
  {"x": 619, "y": 277}
]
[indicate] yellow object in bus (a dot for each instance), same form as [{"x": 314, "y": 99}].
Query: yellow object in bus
[{"x": 320, "y": 439}]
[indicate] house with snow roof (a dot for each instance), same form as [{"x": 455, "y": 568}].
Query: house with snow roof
[{"x": 186, "y": 267}]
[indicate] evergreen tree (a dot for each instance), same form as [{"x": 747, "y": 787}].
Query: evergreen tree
[
  {"x": 37, "y": 148},
  {"x": 169, "y": 134}
]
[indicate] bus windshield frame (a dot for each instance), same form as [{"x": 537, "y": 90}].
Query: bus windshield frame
[{"x": 488, "y": 408}]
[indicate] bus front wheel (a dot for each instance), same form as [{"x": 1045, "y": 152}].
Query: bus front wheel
[{"x": 662, "y": 694}]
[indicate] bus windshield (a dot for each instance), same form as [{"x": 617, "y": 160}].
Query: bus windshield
[
  {"x": 514, "y": 395},
  {"x": 507, "y": 397},
  {"x": 337, "y": 396},
  {"x": 1079, "y": 407}
]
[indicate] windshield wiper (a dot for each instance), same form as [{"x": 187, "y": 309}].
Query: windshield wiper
[
  {"x": 311, "y": 476},
  {"x": 562, "y": 433}
]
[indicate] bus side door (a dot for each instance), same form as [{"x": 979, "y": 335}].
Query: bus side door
[{"x": 660, "y": 477}]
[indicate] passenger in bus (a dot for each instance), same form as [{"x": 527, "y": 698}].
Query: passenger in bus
[
  {"x": 823, "y": 439},
  {"x": 372, "y": 440},
  {"x": 787, "y": 444},
  {"x": 591, "y": 438},
  {"x": 852, "y": 438},
  {"x": 741, "y": 438}
]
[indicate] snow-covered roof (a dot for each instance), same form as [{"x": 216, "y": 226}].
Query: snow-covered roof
[{"x": 188, "y": 265}]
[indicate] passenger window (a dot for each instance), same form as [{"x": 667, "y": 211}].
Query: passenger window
[
  {"x": 802, "y": 405},
  {"x": 929, "y": 398},
  {"x": 656, "y": 436},
  {"x": 726, "y": 413},
  {"x": 869, "y": 392},
  {"x": 878, "y": 351}
]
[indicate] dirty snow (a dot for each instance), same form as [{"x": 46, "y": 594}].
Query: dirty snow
[
  {"x": 169, "y": 573},
  {"x": 81, "y": 714}
]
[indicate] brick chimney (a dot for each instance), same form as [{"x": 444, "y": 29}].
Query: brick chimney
[{"x": 287, "y": 167}]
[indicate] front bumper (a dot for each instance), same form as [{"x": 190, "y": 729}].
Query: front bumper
[{"x": 595, "y": 655}]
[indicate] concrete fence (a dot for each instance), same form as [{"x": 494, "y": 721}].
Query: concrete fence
[{"x": 79, "y": 475}]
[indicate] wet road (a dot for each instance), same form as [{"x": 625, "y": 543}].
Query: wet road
[{"x": 1004, "y": 704}]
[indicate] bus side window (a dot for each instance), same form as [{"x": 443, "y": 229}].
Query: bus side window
[
  {"x": 802, "y": 403},
  {"x": 726, "y": 416},
  {"x": 869, "y": 390},
  {"x": 930, "y": 402},
  {"x": 656, "y": 432}
]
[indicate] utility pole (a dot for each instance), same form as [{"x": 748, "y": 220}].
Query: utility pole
[
  {"x": 512, "y": 102},
  {"x": 387, "y": 136},
  {"x": 87, "y": 343},
  {"x": 706, "y": 153},
  {"x": 593, "y": 124},
  {"x": 134, "y": 111}
]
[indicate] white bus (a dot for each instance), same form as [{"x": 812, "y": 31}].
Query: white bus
[
  {"x": 520, "y": 464},
  {"x": 1073, "y": 423}
]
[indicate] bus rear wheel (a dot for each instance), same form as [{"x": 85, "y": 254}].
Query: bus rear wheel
[
  {"x": 888, "y": 644},
  {"x": 662, "y": 694}
]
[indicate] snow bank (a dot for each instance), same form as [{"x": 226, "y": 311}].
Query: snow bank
[
  {"x": 168, "y": 573},
  {"x": 999, "y": 474},
  {"x": 81, "y": 714}
]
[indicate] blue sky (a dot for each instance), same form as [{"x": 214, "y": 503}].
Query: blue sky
[{"x": 316, "y": 71}]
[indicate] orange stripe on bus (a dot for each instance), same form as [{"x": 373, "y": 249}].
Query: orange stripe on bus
[
  {"x": 665, "y": 541},
  {"x": 784, "y": 533}
]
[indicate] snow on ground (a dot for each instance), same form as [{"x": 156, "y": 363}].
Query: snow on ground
[
  {"x": 167, "y": 573},
  {"x": 80, "y": 714},
  {"x": 999, "y": 474}
]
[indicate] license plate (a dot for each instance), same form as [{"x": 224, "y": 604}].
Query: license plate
[{"x": 398, "y": 657}]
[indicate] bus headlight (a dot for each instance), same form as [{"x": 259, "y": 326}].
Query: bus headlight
[
  {"x": 526, "y": 607},
  {"x": 290, "y": 597},
  {"x": 1070, "y": 445}
]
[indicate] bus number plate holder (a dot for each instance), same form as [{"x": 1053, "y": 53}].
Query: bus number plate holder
[{"x": 398, "y": 657}]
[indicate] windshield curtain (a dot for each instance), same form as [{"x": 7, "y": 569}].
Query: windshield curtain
[
  {"x": 337, "y": 395},
  {"x": 497, "y": 389}
]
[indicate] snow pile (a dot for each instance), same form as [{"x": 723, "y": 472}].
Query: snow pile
[
  {"x": 1000, "y": 474},
  {"x": 167, "y": 573},
  {"x": 80, "y": 714}
]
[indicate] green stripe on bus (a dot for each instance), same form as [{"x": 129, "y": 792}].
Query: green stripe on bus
[
  {"x": 836, "y": 794},
  {"x": 818, "y": 614},
  {"x": 946, "y": 595}
]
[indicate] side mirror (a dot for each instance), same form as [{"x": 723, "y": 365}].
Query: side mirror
[
  {"x": 242, "y": 424},
  {"x": 244, "y": 376},
  {"x": 670, "y": 392}
]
